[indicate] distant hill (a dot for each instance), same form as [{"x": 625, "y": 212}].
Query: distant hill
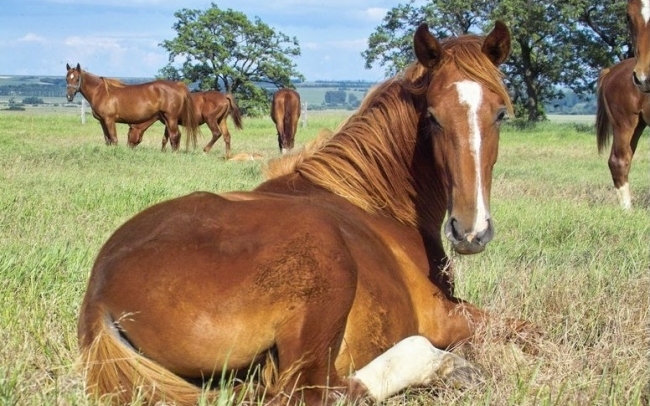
[{"x": 317, "y": 95}]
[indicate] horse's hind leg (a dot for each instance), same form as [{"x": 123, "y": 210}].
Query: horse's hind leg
[
  {"x": 174, "y": 134},
  {"x": 226, "y": 136},
  {"x": 165, "y": 138},
  {"x": 216, "y": 133},
  {"x": 620, "y": 159}
]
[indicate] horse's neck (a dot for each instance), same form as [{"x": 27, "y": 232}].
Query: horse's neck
[{"x": 91, "y": 86}]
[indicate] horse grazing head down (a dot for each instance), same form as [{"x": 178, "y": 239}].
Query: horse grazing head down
[
  {"x": 638, "y": 16},
  {"x": 466, "y": 104}
]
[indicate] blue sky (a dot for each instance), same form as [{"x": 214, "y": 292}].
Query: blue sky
[{"x": 120, "y": 38}]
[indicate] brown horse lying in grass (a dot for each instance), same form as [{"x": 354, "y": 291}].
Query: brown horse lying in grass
[
  {"x": 115, "y": 102},
  {"x": 210, "y": 107},
  {"x": 330, "y": 280}
]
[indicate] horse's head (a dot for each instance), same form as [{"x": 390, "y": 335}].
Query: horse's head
[
  {"x": 466, "y": 104},
  {"x": 73, "y": 81},
  {"x": 638, "y": 16}
]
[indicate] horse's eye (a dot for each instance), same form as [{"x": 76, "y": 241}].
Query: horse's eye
[
  {"x": 502, "y": 115},
  {"x": 432, "y": 118}
]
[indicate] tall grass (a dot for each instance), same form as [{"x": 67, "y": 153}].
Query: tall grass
[{"x": 565, "y": 257}]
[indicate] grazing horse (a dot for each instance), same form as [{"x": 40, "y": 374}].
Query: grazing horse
[
  {"x": 285, "y": 112},
  {"x": 624, "y": 111},
  {"x": 330, "y": 280},
  {"x": 210, "y": 107},
  {"x": 638, "y": 19},
  {"x": 115, "y": 102}
]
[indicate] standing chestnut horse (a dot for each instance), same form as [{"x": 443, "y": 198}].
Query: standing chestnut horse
[
  {"x": 624, "y": 111},
  {"x": 638, "y": 19},
  {"x": 115, "y": 102},
  {"x": 210, "y": 107},
  {"x": 314, "y": 276},
  {"x": 285, "y": 112}
]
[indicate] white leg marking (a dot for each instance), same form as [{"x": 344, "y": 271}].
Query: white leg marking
[
  {"x": 645, "y": 10},
  {"x": 412, "y": 361},
  {"x": 624, "y": 196},
  {"x": 470, "y": 94}
]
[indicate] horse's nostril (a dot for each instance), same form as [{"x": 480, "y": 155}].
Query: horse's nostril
[
  {"x": 452, "y": 230},
  {"x": 486, "y": 235},
  {"x": 635, "y": 79}
]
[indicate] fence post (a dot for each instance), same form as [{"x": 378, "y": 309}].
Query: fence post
[
  {"x": 83, "y": 111},
  {"x": 304, "y": 114}
]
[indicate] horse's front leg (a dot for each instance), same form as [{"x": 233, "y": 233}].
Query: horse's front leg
[
  {"x": 108, "y": 139},
  {"x": 110, "y": 132},
  {"x": 414, "y": 361}
]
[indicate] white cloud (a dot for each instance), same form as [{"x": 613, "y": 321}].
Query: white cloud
[
  {"x": 375, "y": 14},
  {"x": 32, "y": 38}
]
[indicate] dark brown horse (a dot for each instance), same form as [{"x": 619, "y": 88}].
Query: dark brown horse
[
  {"x": 115, "y": 102},
  {"x": 210, "y": 107},
  {"x": 638, "y": 18},
  {"x": 316, "y": 274},
  {"x": 624, "y": 112},
  {"x": 285, "y": 112}
]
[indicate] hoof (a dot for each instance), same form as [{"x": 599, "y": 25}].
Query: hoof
[{"x": 458, "y": 373}]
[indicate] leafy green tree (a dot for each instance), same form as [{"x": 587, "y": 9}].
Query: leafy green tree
[
  {"x": 555, "y": 44},
  {"x": 225, "y": 51},
  {"x": 391, "y": 45}
]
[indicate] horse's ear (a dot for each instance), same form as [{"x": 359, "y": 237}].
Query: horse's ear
[
  {"x": 497, "y": 43},
  {"x": 426, "y": 47},
  {"x": 67, "y": 66},
  {"x": 78, "y": 67}
]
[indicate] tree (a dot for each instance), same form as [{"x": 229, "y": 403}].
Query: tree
[
  {"x": 391, "y": 45},
  {"x": 555, "y": 44},
  {"x": 225, "y": 51}
]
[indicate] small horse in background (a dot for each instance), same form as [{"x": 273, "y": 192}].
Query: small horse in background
[
  {"x": 328, "y": 280},
  {"x": 113, "y": 101},
  {"x": 210, "y": 107},
  {"x": 624, "y": 112},
  {"x": 638, "y": 19},
  {"x": 285, "y": 113}
]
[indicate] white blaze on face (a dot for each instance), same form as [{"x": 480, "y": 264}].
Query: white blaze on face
[
  {"x": 645, "y": 10},
  {"x": 470, "y": 95}
]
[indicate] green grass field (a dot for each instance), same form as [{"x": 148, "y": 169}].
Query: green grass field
[{"x": 564, "y": 257}]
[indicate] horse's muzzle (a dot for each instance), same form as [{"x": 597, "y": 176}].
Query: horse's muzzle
[{"x": 468, "y": 242}]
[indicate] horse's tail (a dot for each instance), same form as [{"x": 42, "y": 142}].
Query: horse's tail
[
  {"x": 603, "y": 125},
  {"x": 110, "y": 365},
  {"x": 188, "y": 117},
  {"x": 235, "y": 113}
]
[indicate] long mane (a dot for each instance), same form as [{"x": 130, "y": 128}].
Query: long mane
[
  {"x": 370, "y": 160},
  {"x": 110, "y": 82}
]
